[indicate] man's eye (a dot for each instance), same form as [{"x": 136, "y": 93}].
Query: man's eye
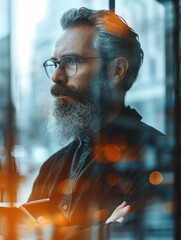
[{"x": 70, "y": 61}]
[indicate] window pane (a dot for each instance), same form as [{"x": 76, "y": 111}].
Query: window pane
[{"x": 148, "y": 96}]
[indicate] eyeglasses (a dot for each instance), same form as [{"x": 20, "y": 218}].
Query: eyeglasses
[{"x": 68, "y": 65}]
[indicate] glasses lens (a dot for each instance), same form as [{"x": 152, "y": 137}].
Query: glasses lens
[
  {"x": 69, "y": 66},
  {"x": 49, "y": 68}
]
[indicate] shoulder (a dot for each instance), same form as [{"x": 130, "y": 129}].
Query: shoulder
[
  {"x": 145, "y": 132},
  {"x": 150, "y": 134},
  {"x": 129, "y": 126}
]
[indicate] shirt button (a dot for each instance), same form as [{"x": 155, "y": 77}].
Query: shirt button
[{"x": 65, "y": 206}]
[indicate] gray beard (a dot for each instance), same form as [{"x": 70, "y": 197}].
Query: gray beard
[{"x": 66, "y": 122}]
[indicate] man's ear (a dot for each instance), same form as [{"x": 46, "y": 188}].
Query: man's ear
[{"x": 121, "y": 67}]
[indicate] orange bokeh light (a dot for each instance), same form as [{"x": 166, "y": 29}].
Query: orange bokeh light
[
  {"x": 112, "y": 152},
  {"x": 155, "y": 178}
]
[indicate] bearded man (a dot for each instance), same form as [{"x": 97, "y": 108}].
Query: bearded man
[{"x": 97, "y": 178}]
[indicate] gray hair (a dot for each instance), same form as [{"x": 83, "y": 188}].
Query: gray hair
[{"x": 114, "y": 38}]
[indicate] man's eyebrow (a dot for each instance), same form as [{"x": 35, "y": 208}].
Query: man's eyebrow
[{"x": 72, "y": 54}]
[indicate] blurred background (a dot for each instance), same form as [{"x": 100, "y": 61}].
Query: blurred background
[{"x": 28, "y": 30}]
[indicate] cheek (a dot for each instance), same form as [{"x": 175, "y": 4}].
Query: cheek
[{"x": 84, "y": 77}]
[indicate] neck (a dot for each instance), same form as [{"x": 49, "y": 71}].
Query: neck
[{"x": 116, "y": 110}]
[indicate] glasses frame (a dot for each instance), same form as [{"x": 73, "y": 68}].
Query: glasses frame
[{"x": 77, "y": 59}]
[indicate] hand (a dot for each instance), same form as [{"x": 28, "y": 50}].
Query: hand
[{"x": 120, "y": 212}]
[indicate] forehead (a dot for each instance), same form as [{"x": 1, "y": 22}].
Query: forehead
[{"x": 75, "y": 39}]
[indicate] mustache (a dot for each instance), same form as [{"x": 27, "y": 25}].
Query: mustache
[{"x": 60, "y": 89}]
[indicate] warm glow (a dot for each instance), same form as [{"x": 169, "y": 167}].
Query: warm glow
[
  {"x": 43, "y": 220},
  {"x": 59, "y": 220},
  {"x": 113, "y": 179},
  {"x": 112, "y": 152},
  {"x": 155, "y": 178},
  {"x": 113, "y": 25},
  {"x": 100, "y": 215},
  {"x": 4, "y": 178}
]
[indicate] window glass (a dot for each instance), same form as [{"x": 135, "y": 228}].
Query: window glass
[
  {"x": 148, "y": 96},
  {"x": 27, "y": 37},
  {"x": 147, "y": 18}
]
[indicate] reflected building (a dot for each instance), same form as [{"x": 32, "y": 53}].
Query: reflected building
[{"x": 147, "y": 18}]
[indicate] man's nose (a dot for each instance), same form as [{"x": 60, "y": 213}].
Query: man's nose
[{"x": 59, "y": 77}]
